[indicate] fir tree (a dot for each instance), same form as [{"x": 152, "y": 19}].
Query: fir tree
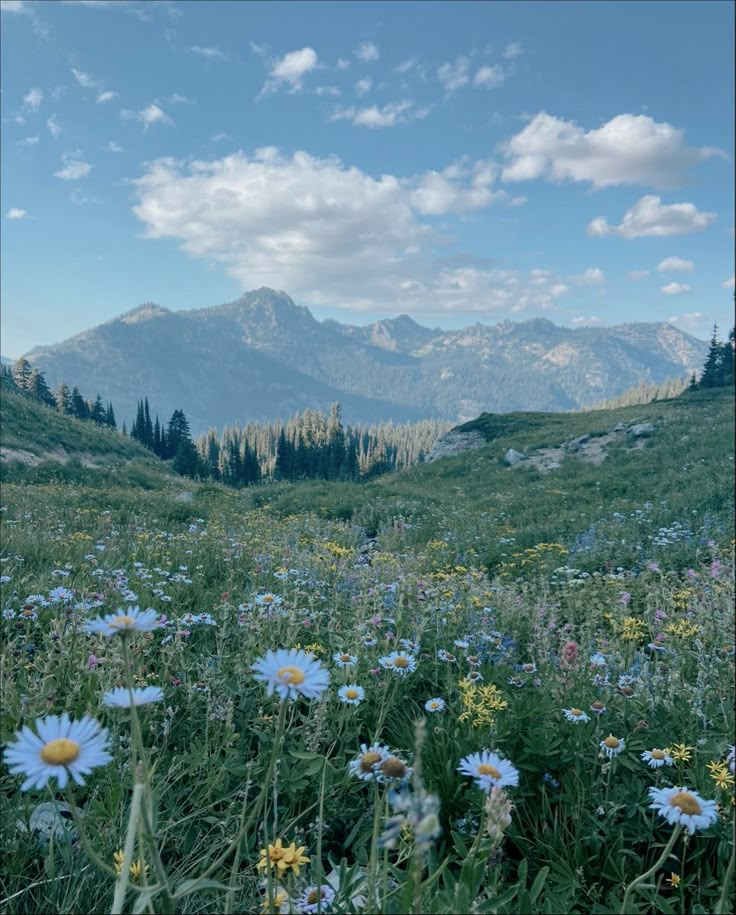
[
  {"x": 63, "y": 399},
  {"x": 79, "y": 405},
  {"x": 22, "y": 373},
  {"x": 39, "y": 390},
  {"x": 712, "y": 376},
  {"x": 110, "y": 417},
  {"x": 97, "y": 413},
  {"x": 147, "y": 426}
]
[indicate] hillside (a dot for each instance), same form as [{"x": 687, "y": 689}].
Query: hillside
[
  {"x": 264, "y": 357},
  {"x": 483, "y": 510},
  {"x": 37, "y": 443}
]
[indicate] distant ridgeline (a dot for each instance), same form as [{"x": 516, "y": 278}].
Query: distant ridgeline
[{"x": 311, "y": 445}]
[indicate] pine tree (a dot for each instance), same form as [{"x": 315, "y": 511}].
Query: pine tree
[
  {"x": 63, "y": 399},
  {"x": 97, "y": 413},
  {"x": 79, "y": 405},
  {"x": 22, "y": 373},
  {"x": 157, "y": 437},
  {"x": 727, "y": 360},
  {"x": 39, "y": 390},
  {"x": 148, "y": 426},
  {"x": 336, "y": 452},
  {"x": 712, "y": 376},
  {"x": 110, "y": 417},
  {"x": 124, "y": 430},
  {"x": 283, "y": 468},
  {"x": 177, "y": 432}
]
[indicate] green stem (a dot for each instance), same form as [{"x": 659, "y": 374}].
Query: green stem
[
  {"x": 121, "y": 886},
  {"x": 723, "y": 906},
  {"x": 642, "y": 877}
]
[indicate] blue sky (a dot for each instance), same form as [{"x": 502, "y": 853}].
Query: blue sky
[{"x": 458, "y": 162}]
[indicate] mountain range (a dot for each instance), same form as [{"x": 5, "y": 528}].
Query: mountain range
[{"x": 264, "y": 357}]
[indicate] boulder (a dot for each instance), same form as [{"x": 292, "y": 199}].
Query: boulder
[
  {"x": 513, "y": 457},
  {"x": 185, "y": 497},
  {"x": 641, "y": 429}
]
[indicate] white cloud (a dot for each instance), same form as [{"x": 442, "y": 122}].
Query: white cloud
[
  {"x": 74, "y": 167},
  {"x": 454, "y": 75},
  {"x": 112, "y": 146},
  {"x": 54, "y": 127},
  {"x": 593, "y": 276},
  {"x": 389, "y": 115},
  {"x": 638, "y": 274},
  {"x": 692, "y": 321},
  {"x": 291, "y": 70},
  {"x": 329, "y": 233},
  {"x": 106, "y": 97},
  {"x": 406, "y": 65},
  {"x": 33, "y": 98},
  {"x": 363, "y": 85},
  {"x": 211, "y": 53},
  {"x": 150, "y": 115},
  {"x": 489, "y": 77},
  {"x": 367, "y": 52},
  {"x": 29, "y": 141},
  {"x": 458, "y": 189},
  {"x": 332, "y": 91},
  {"x": 628, "y": 149},
  {"x": 85, "y": 80},
  {"x": 342, "y": 64},
  {"x": 675, "y": 265},
  {"x": 650, "y": 217},
  {"x": 12, "y": 6},
  {"x": 586, "y": 321},
  {"x": 512, "y": 50},
  {"x": 728, "y": 284},
  {"x": 675, "y": 289},
  {"x": 15, "y": 213}
]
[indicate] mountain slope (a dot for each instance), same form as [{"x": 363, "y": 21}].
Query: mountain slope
[{"x": 264, "y": 357}]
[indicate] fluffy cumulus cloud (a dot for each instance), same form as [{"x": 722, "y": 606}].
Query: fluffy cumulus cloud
[
  {"x": 461, "y": 187},
  {"x": 489, "y": 77},
  {"x": 148, "y": 116},
  {"x": 728, "y": 284},
  {"x": 593, "y": 276},
  {"x": 628, "y": 149},
  {"x": 454, "y": 75},
  {"x": 74, "y": 167},
  {"x": 332, "y": 234},
  {"x": 675, "y": 289},
  {"x": 675, "y": 265},
  {"x": 649, "y": 217},
  {"x": 377, "y": 116},
  {"x": 54, "y": 127},
  {"x": 290, "y": 70},
  {"x": 15, "y": 213},
  {"x": 106, "y": 97},
  {"x": 367, "y": 52},
  {"x": 33, "y": 98}
]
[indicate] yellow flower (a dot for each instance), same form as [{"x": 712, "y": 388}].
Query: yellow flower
[
  {"x": 674, "y": 880},
  {"x": 279, "y": 901},
  {"x": 283, "y": 857},
  {"x": 681, "y": 752},
  {"x": 136, "y": 867},
  {"x": 632, "y": 628},
  {"x": 720, "y": 775}
]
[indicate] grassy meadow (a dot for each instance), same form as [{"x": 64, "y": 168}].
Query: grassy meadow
[{"x": 577, "y": 625}]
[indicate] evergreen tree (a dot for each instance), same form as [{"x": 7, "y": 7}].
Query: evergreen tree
[
  {"x": 336, "y": 451},
  {"x": 177, "y": 432},
  {"x": 79, "y": 405},
  {"x": 712, "y": 376},
  {"x": 39, "y": 390},
  {"x": 22, "y": 373},
  {"x": 110, "y": 417},
  {"x": 727, "y": 360},
  {"x": 148, "y": 426},
  {"x": 63, "y": 399},
  {"x": 157, "y": 450},
  {"x": 125, "y": 431},
  {"x": 284, "y": 467},
  {"x": 186, "y": 459},
  {"x": 97, "y": 413}
]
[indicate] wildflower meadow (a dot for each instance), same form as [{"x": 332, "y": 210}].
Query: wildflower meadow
[{"x": 208, "y": 708}]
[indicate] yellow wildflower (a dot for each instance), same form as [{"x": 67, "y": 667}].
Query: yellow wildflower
[
  {"x": 279, "y": 901},
  {"x": 720, "y": 774},
  {"x": 674, "y": 880},
  {"x": 632, "y": 629},
  {"x": 136, "y": 867},
  {"x": 283, "y": 857},
  {"x": 681, "y": 752}
]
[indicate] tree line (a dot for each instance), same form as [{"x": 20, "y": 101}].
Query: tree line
[{"x": 718, "y": 370}]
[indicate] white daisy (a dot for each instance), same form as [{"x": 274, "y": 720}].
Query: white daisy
[
  {"x": 352, "y": 694},
  {"x": 612, "y": 746},
  {"x": 60, "y": 748},
  {"x": 655, "y": 759},
  {"x": 120, "y": 697},
  {"x": 343, "y": 659},
  {"x": 290, "y": 673},
  {"x": 680, "y": 806},
  {"x": 488, "y": 769},
  {"x": 575, "y": 714},
  {"x": 400, "y": 662},
  {"x": 124, "y": 621},
  {"x": 435, "y": 705},
  {"x": 315, "y": 899},
  {"x": 367, "y": 764},
  {"x": 393, "y": 771}
]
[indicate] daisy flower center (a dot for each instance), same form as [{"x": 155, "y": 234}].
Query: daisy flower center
[
  {"x": 345, "y": 658},
  {"x": 60, "y": 752},
  {"x": 401, "y": 662},
  {"x": 291, "y": 676},
  {"x": 122, "y": 622},
  {"x": 487, "y": 769},
  {"x": 351, "y": 693},
  {"x": 393, "y": 767},
  {"x": 687, "y": 802},
  {"x": 313, "y": 896},
  {"x": 611, "y": 742},
  {"x": 657, "y": 754},
  {"x": 577, "y": 712},
  {"x": 368, "y": 761}
]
